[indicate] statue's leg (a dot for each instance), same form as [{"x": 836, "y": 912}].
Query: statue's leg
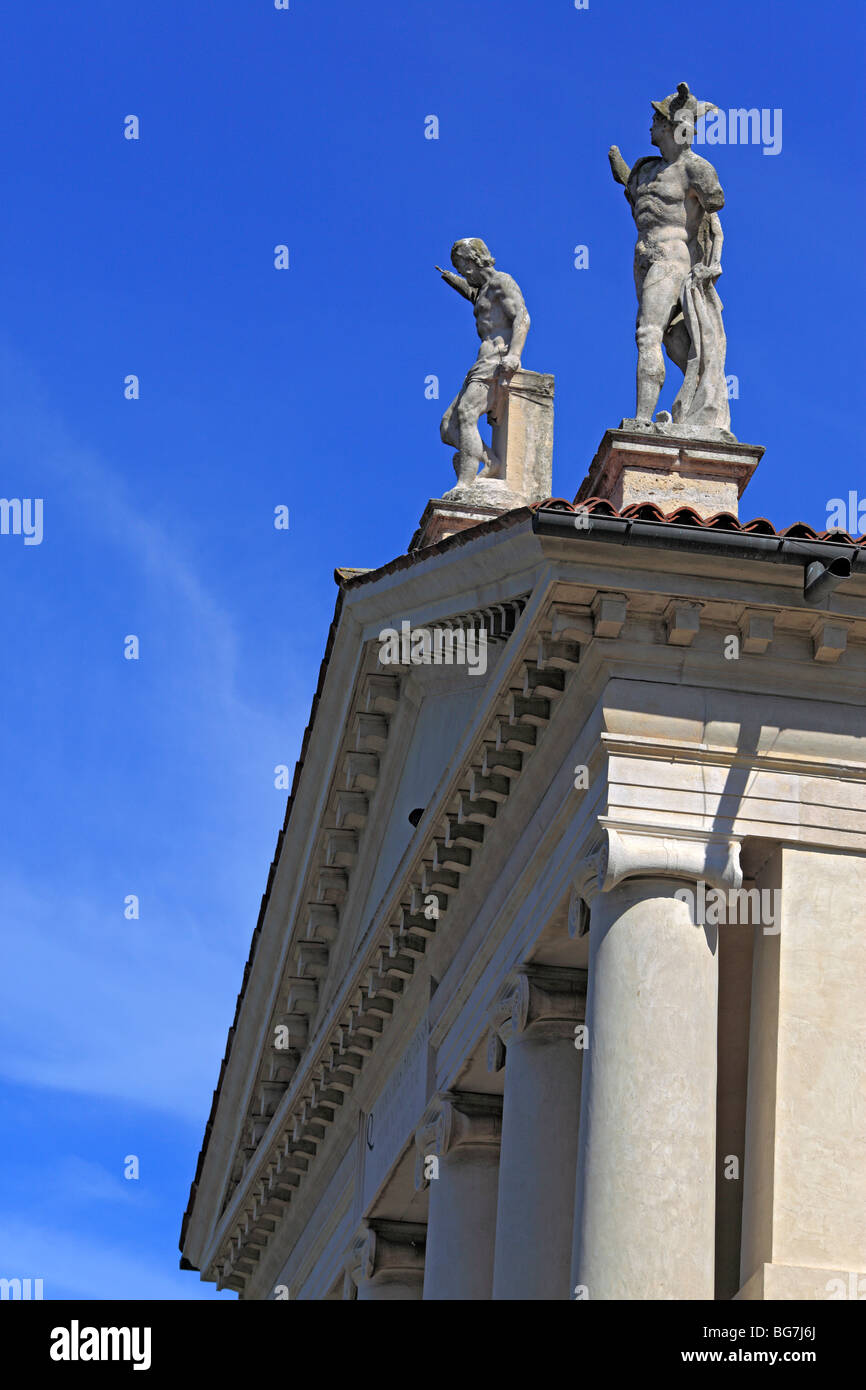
[
  {"x": 448, "y": 426},
  {"x": 659, "y": 294},
  {"x": 494, "y": 466},
  {"x": 470, "y": 405},
  {"x": 497, "y": 404}
]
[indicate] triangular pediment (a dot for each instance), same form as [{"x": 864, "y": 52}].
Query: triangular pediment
[{"x": 399, "y": 728}]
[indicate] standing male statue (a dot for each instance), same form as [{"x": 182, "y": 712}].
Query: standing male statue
[
  {"x": 502, "y": 323},
  {"x": 675, "y": 200}
]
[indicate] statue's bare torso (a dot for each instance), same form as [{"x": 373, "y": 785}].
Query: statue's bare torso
[
  {"x": 669, "y": 203},
  {"x": 497, "y": 304}
]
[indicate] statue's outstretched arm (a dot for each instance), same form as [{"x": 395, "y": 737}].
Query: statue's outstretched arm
[
  {"x": 458, "y": 283},
  {"x": 618, "y": 166}
]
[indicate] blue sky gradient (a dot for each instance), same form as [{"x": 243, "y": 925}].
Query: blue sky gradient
[{"x": 305, "y": 388}]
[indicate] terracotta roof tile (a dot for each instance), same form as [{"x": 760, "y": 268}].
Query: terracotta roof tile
[
  {"x": 687, "y": 516},
  {"x": 799, "y": 532}
]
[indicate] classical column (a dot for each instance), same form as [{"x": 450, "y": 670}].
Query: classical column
[
  {"x": 386, "y": 1261},
  {"x": 645, "y": 1200},
  {"x": 534, "y": 1023},
  {"x": 458, "y": 1157}
]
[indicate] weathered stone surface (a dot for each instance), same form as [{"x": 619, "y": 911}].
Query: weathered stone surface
[
  {"x": 523, "y": 435},
  {"x": 523, "y": 442},
  {"x": 663, "y": 427},
  {"x": 675, "y": 200},
  {"x": 502, "y": 321},
  {"x": 462, "y": 1132},
  {"x": 536, "y": 1025},
  {"x": 631, "y": 467},
  {"x": 645, "y": 1179},
  {"x": 610, "y": 773}
]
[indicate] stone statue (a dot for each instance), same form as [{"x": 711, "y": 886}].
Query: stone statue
[
  {"x": 675, "y": 200},
  {"x": 502, "y": 323}
]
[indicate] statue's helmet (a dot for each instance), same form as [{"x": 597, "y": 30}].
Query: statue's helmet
[
  {"x": 474, "y": 247},
  {"x": 682, "y": 107}
]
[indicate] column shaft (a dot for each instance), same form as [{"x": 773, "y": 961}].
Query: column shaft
[
  {"x": 645, "y": 1199},
  {"x": 540, "y": 1122},
  {"x": 461, "y": 1132},
  {"x": 461, "y": 1227}
]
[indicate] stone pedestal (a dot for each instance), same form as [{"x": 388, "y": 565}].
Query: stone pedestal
[
  {"x": 655, "y": 464},
  {"x": 523, "y": 442},
  {"x": 523, "y": 435},
  {"x": 461, "y": 1134},
  {"x": 540, "y": 1120},
  {"x": 444, "y": 515}
]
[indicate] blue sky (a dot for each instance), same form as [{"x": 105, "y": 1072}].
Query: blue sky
[{"x": 305, "y": 388}]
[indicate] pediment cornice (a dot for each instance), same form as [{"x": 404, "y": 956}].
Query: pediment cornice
[
  {"x": 515, "y": 716},
  {"x": 299, "y": 1103},
  {"x": 316, "y": 925}
]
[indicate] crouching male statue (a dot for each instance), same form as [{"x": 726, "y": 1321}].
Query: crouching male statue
[
  {"x": 675, "y": 201},
  {"x": 502, "y": 323}
]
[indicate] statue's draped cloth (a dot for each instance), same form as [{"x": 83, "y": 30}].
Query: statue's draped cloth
[{"x": 703, "y": 397}]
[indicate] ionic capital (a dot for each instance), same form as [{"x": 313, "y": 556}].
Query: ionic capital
[
  {"x": 455, "y": 1120},
  {"x": 643, "y": 851},
  {"x": 584, "y": 886},
  {"x": 538, "y": 1001},
  {"x": 386, "y": 1250}
]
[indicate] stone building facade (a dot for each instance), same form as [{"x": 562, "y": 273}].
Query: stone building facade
[{"x": 557, "y": 987}]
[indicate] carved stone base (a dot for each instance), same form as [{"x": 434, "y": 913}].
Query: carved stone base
[
  {"x": 523, "y": 437},
  {"x": 490, "y": 494},
  {"x": 523, "y": 442},
  {"x": 664, "y": 465},
  {"x": 664, "y": 426},
  {"x": 444, "y": 515}
]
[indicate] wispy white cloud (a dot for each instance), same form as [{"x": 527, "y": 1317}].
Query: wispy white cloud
[
  {"x": 75, "y": 1265},
  {"x": 36, "y": 441},
  {"x": 136, "y": 1010},
  {"x": 108, "y": 1011},
  {"x": 83, "y": 1182}
]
